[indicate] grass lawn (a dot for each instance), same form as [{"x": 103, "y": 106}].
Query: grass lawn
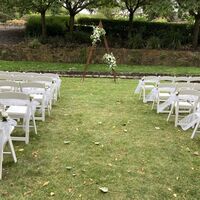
[
  {"x": 59, "y": 67},
  {"x": 133, "y": 158}
]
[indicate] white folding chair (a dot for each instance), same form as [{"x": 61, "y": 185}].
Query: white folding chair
[
  {"x": 20, "y": 106},
  {"x": 6, "y": 128},
  {"x": 39, "y": 93},
  {"x": 164, "y": 91},
  {"x": 148, "y": 83},
  {"x": 186, "y": 102}
]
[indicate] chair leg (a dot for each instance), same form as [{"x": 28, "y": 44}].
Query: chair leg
[
  {"x": 12, "y": 150},
  {"x": 34, "y": 124},
  {"x": 170, "y": 113},
  {"x": 195, "y": 129},
  {"x": 1, "y": 162}
]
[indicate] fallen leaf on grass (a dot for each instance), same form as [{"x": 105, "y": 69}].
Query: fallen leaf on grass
[
  {"x": 68, "y": 167},
  {"x": 125, "y": 130},
  {"x": 188, "y": 149},
  {"x": 103, "y": 189},
  {"x": 27, "y": 193},
  {"x": 175, "y": 195},
  {"x": 21, "y": 150},
  {"x": 196, "y": 153},
  {"x": 99, "y": 122},
  {"x": 157, "y": 128},
  {"x": 169, "y": 189},
  {"x": 45, "y": 183},
  {"x": 97, "y": 143},
  {"x": 52, "y": 194},
  {"x": 66, "y": 142}
]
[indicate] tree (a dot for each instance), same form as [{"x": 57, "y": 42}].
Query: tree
[
  {"x": 192, "y": 7},
  {"x": 39, "y": 6},
  {"x": 161, "y": 8},
  {"x": 76, "y": 6},
  {"x": 132, "y": 6}
]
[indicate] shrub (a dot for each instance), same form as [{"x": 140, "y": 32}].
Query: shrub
[
  {"x": 136, "y": 42},
  {"x": 35, "y": 43},
  {"x": 55, "y": 25},
  {"x": 153, "y": 43}
]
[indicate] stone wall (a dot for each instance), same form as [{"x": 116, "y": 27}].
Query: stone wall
[{"x": 46, "y": 53}]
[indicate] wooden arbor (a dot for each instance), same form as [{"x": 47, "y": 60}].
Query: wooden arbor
[{"x": 91, "y": 52}]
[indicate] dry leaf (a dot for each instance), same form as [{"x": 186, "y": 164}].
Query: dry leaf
[
  {"x": 157, "y": 128},
  {"x": 175, "y": 195},
  {"x": 109, "y": 164},
  {"x": 169, "y": 189},
  {"x": 27, "y": 193},
  {"x": 21, "y": 150},
  {"x": 188, "y": 149},
  {"x": 196, "y": 153},
  {"x": 70, "y": 190},
  {"x": 103, "y": 189},
  {"x": 45, "y": 183},
  {"x": 68, "y": 167},
  {"x": 66, "y": 142},
  {"x": 125, "y": 130},
  {"x": 52, "y": 193},
  {"x": 99, "y": 122},
  {"x": 97, "y": 143}
]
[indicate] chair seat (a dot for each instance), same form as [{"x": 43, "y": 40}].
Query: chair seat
[
  {"x": 149, "y": 86},
  {"x": 164, "y": 95},
  {"x": 185, "y": 105},
  {"x": 17, "y": 111},
  {"x": 37, "y": 97}
]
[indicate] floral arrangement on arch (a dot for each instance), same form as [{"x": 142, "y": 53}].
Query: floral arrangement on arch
[
  {"x": 110, "y": 60},
  {"x": 98, "y": 32}
]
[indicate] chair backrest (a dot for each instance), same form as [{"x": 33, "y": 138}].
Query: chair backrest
[
  {"x": 194, "y": 79},
  {"x": 182, "y": 79},
  {"x": 33, "y": 88},
  {"x": 166, "y": 79},
  {"x": 9, "y": 86},
  {"x": 189, "y": 95},
  {"x": 168, "y": 87},
  {"x": 184, "y": 86},
  {"x": 14, "y": 95}
]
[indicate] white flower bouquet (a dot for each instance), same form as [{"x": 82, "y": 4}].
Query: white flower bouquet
[
  {"x": 110, "y": 60},
  {"x": 97, "y": 34},
  {"x": 4, "y": 116}
]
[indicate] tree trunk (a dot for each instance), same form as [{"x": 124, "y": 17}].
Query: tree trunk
[
  {"x": 196, "y": 32},
  {"x": 71, "y": 23},
  {"x": 130, "y": 22},
  {"x": 43, "y": 24}
]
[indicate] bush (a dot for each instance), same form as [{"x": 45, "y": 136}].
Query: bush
[
  {"x": 153, "y": 43},
  {"x": 35, "y": 43},
  {"x": 55, "y": 25}
]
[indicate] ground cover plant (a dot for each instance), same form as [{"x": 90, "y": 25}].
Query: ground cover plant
[
  {"x": 101, "y": 135},
  {"x": 62, "y": 67}
]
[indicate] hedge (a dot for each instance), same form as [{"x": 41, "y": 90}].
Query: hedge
[
  {"x": 169, "y": 34},
  {"x": 144, "y": 34},
  {"x": 55, "y": 25}
]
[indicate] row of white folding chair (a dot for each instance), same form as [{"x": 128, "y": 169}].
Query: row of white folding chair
[
  {"x": 6, "y": 129},
  {"x": 25, "y": 77},
  {"x": 165, "y": 90},
  {"x": 182, "y": 105}
]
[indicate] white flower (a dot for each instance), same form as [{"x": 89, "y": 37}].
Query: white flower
[
  {"x": 4, "y": 114},
  {"x": 110, "y": 60},
  {"x": 97, "y": 34}
]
